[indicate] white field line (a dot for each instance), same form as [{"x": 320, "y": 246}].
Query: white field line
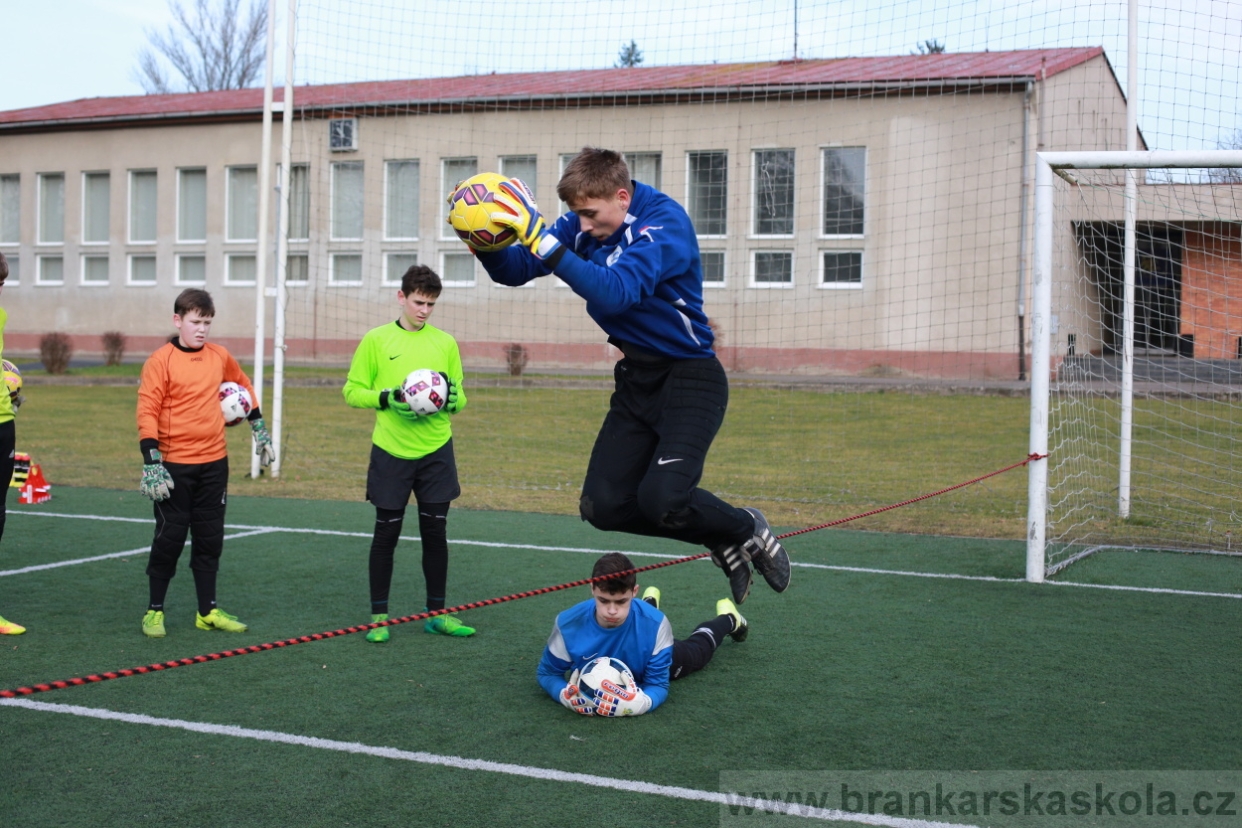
[
  {"x": 142, "y": 550},
  {"x": 506, "y": 768},
  {"x": 257, "y": 529}
]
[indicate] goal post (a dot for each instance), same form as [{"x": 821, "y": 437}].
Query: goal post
[{"x": 1194, "y": 414}]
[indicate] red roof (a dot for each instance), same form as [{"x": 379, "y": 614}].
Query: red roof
[{"x": 531, "y": 86}]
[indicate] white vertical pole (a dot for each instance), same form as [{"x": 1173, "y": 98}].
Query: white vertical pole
[
  {"x": 1127, "y": 303},
  {"x": 260, "y": 264},
  {"x": 1041, "y": 368},
  {"x": 282, "y": 241}
]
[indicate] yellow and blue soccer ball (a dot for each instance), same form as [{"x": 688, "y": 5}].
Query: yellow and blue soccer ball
[{"x": 470, "y": 213}]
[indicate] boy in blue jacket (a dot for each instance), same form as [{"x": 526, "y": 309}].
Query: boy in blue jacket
[
  {"x": 631, "y": 252},
  {"x": 612, "y": 622}
]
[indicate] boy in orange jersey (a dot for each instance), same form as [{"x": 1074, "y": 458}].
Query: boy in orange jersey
[{"x": 185, "y": 458}]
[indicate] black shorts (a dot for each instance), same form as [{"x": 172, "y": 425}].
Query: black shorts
[{"x": 432, "y": 479}]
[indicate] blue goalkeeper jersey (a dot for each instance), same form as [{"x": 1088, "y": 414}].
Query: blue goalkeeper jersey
[
  {"x": 644, "y": 642},
  {"x": 644, "y": 285}
]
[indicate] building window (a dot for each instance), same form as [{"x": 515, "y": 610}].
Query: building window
[
  {"x": 50, "y": 271},
  {"x": 401, "y": 200},
  {"x": 774, "y": 192},
  {"x": 525, "y": 167},
  {"x": 845, "y": 171},
  {"x": 453, "y": 172},
  {"x": 299, "y": 202},
  {"x": 240, "y": 269},
  {"x": 457, "y": 269},
  {"x": 297, "y": 269},
  {"x": 142, "y": 270},
  {"x": 347, "y": 200},
  {"x": 565, "y": 158},
  {"x": 708, "y": 192},
  {"x": 243, "y": 204},
  {"x": 842, "y": 269},
  {"x": 10, "y": 209},
  {"x": 192, "y": 205},
  {"x": 15, "y": 270},
  {"x": 96, "y": 208},
  {"x": 396, "y": 264},
  {"x": 142, "y": 206},
  {"x": 95, "y": 270},
  {"x": 51, "y": 208},
  {"x": 343, "y": 134},
  {"x": 713, "y": 268},
  {"x": 773, "y": 268},
  {"x": 346, "y": 269},
  {"x": 644, "y": 167},
  {"x": 191, "y": 269}
]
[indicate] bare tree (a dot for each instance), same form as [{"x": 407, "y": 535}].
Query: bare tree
[
  {"x": 931, "y": 47},
  {"x": 629, "y": 56},
  {"x": 212, "y": 45},
  {"x": 1227, "y": 175}
]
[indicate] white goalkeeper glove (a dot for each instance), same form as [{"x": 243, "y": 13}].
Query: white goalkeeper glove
[
  {"x": 263, "y": 442},
  {"x": 520, "y": 212},
  {"x": 614, "y": 700},
  {"x": 575, "y": 701}
]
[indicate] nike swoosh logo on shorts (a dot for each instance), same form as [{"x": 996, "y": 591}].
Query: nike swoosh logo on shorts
[{"x": 664, "y": 461}]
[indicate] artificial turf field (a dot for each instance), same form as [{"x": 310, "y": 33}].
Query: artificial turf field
[{"x": 865, "y": 663}]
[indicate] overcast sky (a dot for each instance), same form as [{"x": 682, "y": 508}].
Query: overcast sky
[{"x": 61, "y": 50}]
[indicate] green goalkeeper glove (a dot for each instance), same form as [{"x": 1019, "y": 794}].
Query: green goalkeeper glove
[
  {"x": 393, "y": 399},
  {"x": 452, "y": 402},
  {"x": 520, "y": 212},
  {"x": 263, "y": 442},
  {"x": 157, "y": 483}
]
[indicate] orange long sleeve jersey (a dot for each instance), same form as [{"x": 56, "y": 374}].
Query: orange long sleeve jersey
[{"x": 179, "y": 401}]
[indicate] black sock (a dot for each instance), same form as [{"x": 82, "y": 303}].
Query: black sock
[
  {"x": 205, "y": 588},
  {"x": 433, "y": 529},
  {"x": 159, "y": 591},
  {"x": 388, "y": 524}
]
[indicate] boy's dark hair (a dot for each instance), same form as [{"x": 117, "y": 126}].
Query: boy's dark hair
[
  {"x": 421, "y": 279},
  {"x": 593, "y": 173},
  {"x": 4, "y": 268},
  {"x": 192, "y": 299},
  {"x": 607, "y": 565}
]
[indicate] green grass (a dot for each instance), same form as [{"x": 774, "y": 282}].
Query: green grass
[
  {"x": 802, "y": 456},
  {"x": 847, "y": 670}
]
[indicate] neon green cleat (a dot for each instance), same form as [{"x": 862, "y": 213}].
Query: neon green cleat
[
  {"x": 9, "y": 628},
  {"x": 740, "y": 628},
  {"x": 153, "y": 624},
  {"x": 447, "y": 625},
  {"x": 218, "y": 619},
  {"x": 380, "y": 634},
  {"x": 652, "y": 596}
]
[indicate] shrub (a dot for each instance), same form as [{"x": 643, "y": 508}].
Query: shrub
[
  {"x": 55, "y": 349},
  {"x": 516, "y": 356},
  {"x": 113, "y": 347}
]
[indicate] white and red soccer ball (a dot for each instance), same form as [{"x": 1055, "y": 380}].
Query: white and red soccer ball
[
  {"x": 235, "y": 403},
  {"x": 425, "y": 390}
]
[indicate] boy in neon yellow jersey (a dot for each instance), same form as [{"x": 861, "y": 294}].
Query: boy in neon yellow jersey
[
  {"x": 410, "y": 452},
  {"x": 8, "y": 443}
]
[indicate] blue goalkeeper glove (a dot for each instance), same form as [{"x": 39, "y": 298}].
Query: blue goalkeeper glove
[
  {"x": 157, "y": 483},
  {"x": 452, "y": 402},
  {"x": 262, "y": 442},
  {"x": 520, "y": 212},
  {"x": 575, "y": 701},
  {"x": 393, "y": 399},
  {"x": 613, "y": 700}
]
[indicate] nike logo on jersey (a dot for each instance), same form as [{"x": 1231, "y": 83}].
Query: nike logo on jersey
[
  {"x": 391, "y": 358},
  {"x": 664, "y": 461}
]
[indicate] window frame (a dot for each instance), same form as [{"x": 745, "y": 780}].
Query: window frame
[
  {"x": 129, "y": 211},
  {"x": 823, "y": 192},
  {"x": 181, "y": 171},
  {"x": 724, "y": 268},
  {"x": 229, "y": 258},
  {"x": 754, "y": 195},
  {"x": 388, "y": 212},
  {"x": 474, "y": 270},
  {"x": 690, "y": 185},
  {"x": 129, "y": 270},
  {"x": 386, "y": 279},
  {"x": 40, "y": 281},
  {"x": 39, "y": 199},
  {"x": 332, "y": 202},
  {"x": 178, "y": 278},
  {"x": 754, "y": 268},
  {"x": 17, "y": 177},
  {"x": 862, "y": 265},
  {"x": 229, "y": 215},
  {"x": 94, "y": 255},
  {"x": 86, "y": 176},
  {"x": 332, "y": 259}
]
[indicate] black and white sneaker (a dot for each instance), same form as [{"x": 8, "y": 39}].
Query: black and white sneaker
[
  {"x": 732, "y": 558},
  {"x": 767, "y": 554}
]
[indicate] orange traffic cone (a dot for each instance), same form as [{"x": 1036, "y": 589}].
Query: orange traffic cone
[{"x": 36, "y": 488}]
